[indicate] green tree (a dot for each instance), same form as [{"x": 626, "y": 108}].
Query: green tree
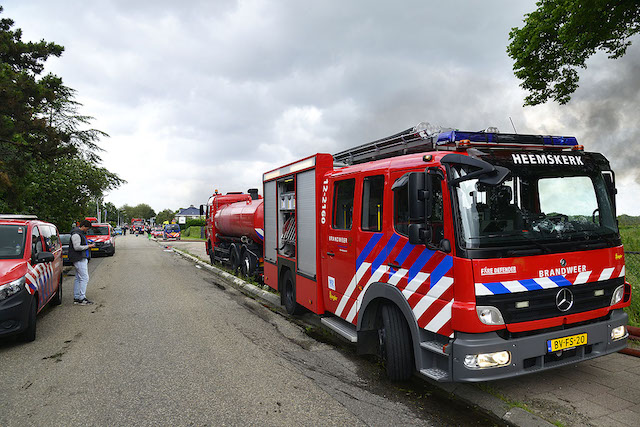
[
  {"x": 165, "y": 215},
  {"x": 560, "y": 35},
  {"x": 48, "y": 162}
]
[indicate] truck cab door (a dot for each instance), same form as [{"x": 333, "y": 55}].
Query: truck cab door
[{"x": 340, "y": 246}]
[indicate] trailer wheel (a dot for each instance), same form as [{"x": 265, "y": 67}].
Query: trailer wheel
[
  {"x": 395, "y": 344},
  {"x": 248, "y": 264},
  {"x": 289, "y": 295},
  {"x": 234, "y": 258}
]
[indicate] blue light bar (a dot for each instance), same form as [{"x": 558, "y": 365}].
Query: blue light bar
[{"x": 445, "y": 138}]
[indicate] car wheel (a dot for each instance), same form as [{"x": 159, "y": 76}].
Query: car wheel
[
  {"x": 29, "y": 334},
  {"x": 395, "y": 344},
  {"x": 57, "y": 298},
  {"x": 289, "y": 295}
]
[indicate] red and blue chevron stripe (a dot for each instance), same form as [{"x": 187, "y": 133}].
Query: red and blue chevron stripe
[{"x": 425, "y": 278}]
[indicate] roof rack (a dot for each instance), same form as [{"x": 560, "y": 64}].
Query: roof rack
[
  {"x": 425, "y": 137},
  {"x": 417, "y": 139},
  {"x": 18, "y": 216}
]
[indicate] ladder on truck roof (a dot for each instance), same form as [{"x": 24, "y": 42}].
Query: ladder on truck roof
[
  {"x": 425, "y": 137},
  {"x": 417, "y": 139}
]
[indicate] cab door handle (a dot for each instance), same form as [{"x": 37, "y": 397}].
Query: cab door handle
[
  {"x": 331, "y": 254},
  {"x": 394, "y": 266}
]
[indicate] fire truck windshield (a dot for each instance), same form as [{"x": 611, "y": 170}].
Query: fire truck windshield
[{"x": 534, "y": 207}]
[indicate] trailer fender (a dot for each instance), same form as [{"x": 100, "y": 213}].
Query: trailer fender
[{"x": 369, "y": 317}]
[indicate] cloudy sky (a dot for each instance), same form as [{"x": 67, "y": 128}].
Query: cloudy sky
[{"x": 208, "y": 94}]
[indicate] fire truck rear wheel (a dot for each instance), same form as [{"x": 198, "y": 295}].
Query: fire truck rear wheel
[
  {"x": 234, "y": 258},
  {"x": 29, "y": 334},
  {"x": 248, "y": 265},
  {"x": 289, "y": 295},
  {"x": 395, "y": 344}
]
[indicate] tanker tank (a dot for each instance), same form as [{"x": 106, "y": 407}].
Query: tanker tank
[{"x": 245, "y": 218}]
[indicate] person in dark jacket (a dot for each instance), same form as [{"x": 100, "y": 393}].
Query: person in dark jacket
[{"x": 79, "y": 256}]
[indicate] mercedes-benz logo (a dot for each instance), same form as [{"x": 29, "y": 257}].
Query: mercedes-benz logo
[
  {"x": 563, "y": 262},
  {"x": 564, "y": 299}
]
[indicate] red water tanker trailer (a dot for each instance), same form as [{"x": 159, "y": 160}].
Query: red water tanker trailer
[{"x": 234, "y": 231}]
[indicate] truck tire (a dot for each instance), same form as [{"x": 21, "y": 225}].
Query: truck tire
[
  {"x": 57, "y": 298},
  {"x": 395, "y": 344},
  {"x": 247, "y": 264},
  {"x": 29, "y": 334},
  {"x": 289, "y": 294},
  {"x": 234, "y": 258}
]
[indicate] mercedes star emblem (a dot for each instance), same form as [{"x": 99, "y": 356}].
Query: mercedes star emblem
[
  {"x": 563, "y": 262},
  {"x": 564, "y": 299}
]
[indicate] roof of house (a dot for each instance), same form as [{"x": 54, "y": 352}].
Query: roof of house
[{"x": 190, "y": 211}]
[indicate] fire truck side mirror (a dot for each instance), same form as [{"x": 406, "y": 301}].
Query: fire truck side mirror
[
  {"x": 419, "y": 234},
  {"x": 610, "y": 181},
  {"x": 201, "y": 210},
  {"x": 419, "y": 195}
]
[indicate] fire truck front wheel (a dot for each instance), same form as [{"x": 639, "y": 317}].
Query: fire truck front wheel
[{"x": 395, "y": 344}]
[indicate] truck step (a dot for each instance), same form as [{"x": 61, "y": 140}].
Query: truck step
[
  {"x": 434, "y": 347},
  {"x": 341, "y": 327},
  {"x": 435, "y": 374}
]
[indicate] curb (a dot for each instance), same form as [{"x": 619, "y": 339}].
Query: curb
[{"x": 467, "y": 393}]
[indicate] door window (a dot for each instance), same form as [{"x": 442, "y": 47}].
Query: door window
[
  {"x": 343, "y": 204},
  {"x": 36, "y": 242},
  {"x": 372, "y": 198}
]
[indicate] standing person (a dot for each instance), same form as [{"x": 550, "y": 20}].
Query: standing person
[
  {"x": 124, "y": 230},
  {"x": 79, "y": 256}
]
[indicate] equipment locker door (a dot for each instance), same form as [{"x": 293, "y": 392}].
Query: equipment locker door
[{"x": 341, "y": 246}]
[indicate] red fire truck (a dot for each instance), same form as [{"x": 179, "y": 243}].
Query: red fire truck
[
  {"x": 467, "y": 256},
  {"x": 137, "y": 226},
  {"x": 234, "y": 231}
]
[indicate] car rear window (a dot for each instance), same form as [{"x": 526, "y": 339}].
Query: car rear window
[
  {"x": 65, "y": 238},
  {"x": 98, "y": 231},
  {"x": 12, "y": 238}
]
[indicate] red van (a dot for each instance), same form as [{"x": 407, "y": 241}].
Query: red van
[
  {"x": 103, "y": 237},
  {"x": 30, "y": 272}
]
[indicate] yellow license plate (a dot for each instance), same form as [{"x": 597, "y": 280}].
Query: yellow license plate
[
  {"x": 566, "y": 342},
  {"x": 95, "y": 249},
  {"x": 65, "y": 256}
]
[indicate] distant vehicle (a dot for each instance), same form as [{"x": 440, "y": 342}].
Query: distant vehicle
[
  {"x": 30, "y": 273},
  {"x": 100, "y": 234},
  {"x": 64, "y": 240},
  {"x": 137, "y": 225},
  {"x": 157, "y": 232},
  {"x": 171, "y": 231},
  {"x": 118, "y": 230}
]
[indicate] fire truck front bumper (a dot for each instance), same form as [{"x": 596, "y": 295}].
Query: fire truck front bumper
[{"x": 485, "y": 357}]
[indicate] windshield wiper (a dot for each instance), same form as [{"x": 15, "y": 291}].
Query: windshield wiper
[{"x": 528, "y": 239}]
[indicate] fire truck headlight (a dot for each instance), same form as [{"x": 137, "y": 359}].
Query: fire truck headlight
[
  {"x": 618, "y": 294},
  {"x": 487, "y": 360},
  {"x": 11, "y": 288},
  {"x": 489, "y": 315},
  {"x": 618, "y": 333}
]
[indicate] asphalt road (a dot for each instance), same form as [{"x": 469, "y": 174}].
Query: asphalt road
[{"x": 166, "y": 344}]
